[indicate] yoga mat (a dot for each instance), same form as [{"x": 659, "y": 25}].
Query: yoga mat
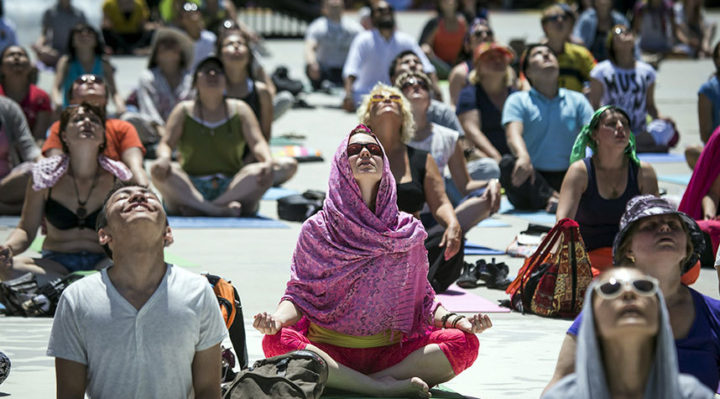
[
  {"x": 681, "y": 178},
  {"x": 661, "y": 157},
  {"x": 278, "y": 192},
  {"x": 10, "y": 221},
  {"x": 537, "y": 217},
  {"x": 299, "y": 152},
  {"x": 201, "y": 222},
  {"x": 493, "y": 223},
  {"x": 456, "y": 299},
  {"x": 439, "y": 391},
  {"x": 474, "y": 249}
]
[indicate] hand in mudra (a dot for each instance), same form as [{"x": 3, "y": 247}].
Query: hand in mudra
[{"x": 474, "y": 324}]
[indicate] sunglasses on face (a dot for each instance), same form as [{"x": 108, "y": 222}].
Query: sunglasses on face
[
  {"x": 89, "y": 79},
  {"x": 85, "y": 31},
  {"x": 356, "y": 148},
  {"x": 376, "y": 98},
  {"x": 483, "y": 33},
  {"x": 613, "y": 288},
  {"x": 412, "y": 82},
  {"x": 554, "y": 18},
  {"x": 620, "y": 31}
]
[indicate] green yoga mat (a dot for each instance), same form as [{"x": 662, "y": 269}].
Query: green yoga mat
[
  {"x": 169, "y": 257},
  {"x": 440, "y": 391}
]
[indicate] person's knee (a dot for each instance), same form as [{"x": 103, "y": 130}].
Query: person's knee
[
  {"x": 462, "y": 349},
  {"x": 286, "y": 340},
  {"x": 284, "y": 169}
]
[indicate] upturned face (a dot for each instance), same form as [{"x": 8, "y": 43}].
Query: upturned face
[
  {"x": 83, "y": 131},
  {"x": 366, "y": 158},
  {"x": 235, "y": 49},
  {"x": 15, "y": 62},
  {"x": 658, "y": 243},
  {"x": 612, "y": 131}
]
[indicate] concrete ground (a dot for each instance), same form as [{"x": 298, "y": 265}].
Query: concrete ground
[{"x": 517, "y": 356}]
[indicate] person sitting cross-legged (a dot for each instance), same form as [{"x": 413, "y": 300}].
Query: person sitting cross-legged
[{"x": 344, "y": 300}]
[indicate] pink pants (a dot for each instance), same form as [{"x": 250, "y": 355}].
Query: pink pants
[{"x": 460, "y": 348}]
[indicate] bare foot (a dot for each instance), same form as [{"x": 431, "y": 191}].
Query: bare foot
[
  {"x": 412, "y": 387},
  {"x": 235, "y": 208}
]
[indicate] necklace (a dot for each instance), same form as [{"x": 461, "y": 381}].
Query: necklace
[{"x": 81, "y": 212}]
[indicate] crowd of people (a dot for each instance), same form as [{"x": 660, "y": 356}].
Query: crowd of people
[{"x": 554, "y": 125}]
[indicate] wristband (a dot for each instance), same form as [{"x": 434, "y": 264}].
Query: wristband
[
  {"x": 457, "y": 319},
  {"x": 445, "y": 319}
]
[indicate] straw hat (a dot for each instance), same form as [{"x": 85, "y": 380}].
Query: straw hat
[{"x": 186, "y": 44}]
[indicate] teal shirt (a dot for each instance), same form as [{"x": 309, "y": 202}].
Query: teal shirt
[{"x": 549, "y": 125}]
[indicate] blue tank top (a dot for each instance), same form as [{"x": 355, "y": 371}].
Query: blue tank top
[
  {"x": 75, "y": 70},
  {"x": 599, "y": 218}
]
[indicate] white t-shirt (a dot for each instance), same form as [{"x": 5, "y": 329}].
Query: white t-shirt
[
  {"x": 626, "y": 88},
  {"x": 370, "y": 56},
  {"x": 204, "y": 47},
  {"x": 440, "y": 144},
  {"x": 333, "y": 40},
  {"x": 131, "y": 353}
]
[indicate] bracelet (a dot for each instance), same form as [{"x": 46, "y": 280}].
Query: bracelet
[
  {"x": 445, "y": 319},
  {"x": 457, "y": 319}
]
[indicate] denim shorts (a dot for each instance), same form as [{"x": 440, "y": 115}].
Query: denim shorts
[
  {"x": 212, "y": 186},
  {"x": 76, "y": 261}
]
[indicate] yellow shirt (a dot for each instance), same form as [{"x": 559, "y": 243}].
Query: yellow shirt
[
  {"x": 323, "y": 335},
  {"x": 121, "y": 24},
  {"x": 575, "y": 62}
]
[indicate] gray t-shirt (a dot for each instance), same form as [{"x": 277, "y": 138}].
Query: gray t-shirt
[
  {"x": 443, "y": 115},
  {"x": 333, "y": 40},
  {"x": 137, "y": 354},
  {"x": 58, "y": 21}
]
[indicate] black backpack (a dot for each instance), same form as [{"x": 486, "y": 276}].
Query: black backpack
[
  {"x": 301, "y": 374},
  {"x": 299, "y": 207}
]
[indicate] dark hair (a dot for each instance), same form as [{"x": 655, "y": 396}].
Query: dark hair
[
  {"x": 397, "y": 59},
  {"x": 72, "y": 110},
  {"x": 101, "y": 221},
  {"x": 219, "y": 45},
  {"x": 609, "y": 41},
  {"x": 372, "y": 8},
  {"x": 32, "y": 77},
  {"x": 208, "y": 60},
  {"x": 595, "y": 122},
  {"x": 716, "y": 49},
  {"x": 524, "y": 59},
  {"x": 99, "y": 44}
]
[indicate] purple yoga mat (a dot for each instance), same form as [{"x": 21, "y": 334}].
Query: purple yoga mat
[{"x": 456, "y": 299}]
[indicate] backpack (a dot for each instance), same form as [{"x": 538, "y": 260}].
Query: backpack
[
  {"x": 231, "y": 310},
  {"x": 553, "y": 284},
  {"x": 299, "y": 207},
  {"x": 24, "y": 297},
  {"x": 300, "y": 374}
]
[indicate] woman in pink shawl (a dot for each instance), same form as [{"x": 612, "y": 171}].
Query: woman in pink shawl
[{"x": 358, "y": 294}]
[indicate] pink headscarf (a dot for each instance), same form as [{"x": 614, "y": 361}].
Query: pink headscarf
[
  {"x": 357, "y": 272},
  {"x": 706, "y": 171},
  {"x": 47, "y": 171}
]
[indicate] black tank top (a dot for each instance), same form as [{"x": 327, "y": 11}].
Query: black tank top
[
  {"x": 599, "y": 218},
  {"x": 411, "y": 195},
  {"x": 63, "y": 218}
]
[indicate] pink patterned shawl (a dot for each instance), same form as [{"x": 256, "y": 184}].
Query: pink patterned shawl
[
  {"x": 47, "y": 171},
  {"x": 706, "y": 171},
  {"x": 357, "y": 272}
]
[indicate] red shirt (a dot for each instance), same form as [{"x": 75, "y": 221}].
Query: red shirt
[
  {"x": 120, "y": 136},
  {"x": 36, "y": 101}
]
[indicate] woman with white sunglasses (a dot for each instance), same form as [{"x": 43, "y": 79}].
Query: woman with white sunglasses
[
  {"x": 664, "y": 243},
  {"x": 625, "y": 347}
]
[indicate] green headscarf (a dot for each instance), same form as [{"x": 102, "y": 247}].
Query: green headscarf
[{"x": 584, "y": 138}]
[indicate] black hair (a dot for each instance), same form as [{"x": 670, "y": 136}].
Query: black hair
[
  {"x": 101, "y": 221},
  {"x": 32, "y": 77},
  {"x": 72, "y": 110},
  {"x": 219, "y": 45},
  {"x": 716, "y": 49},
  {"x": 397, "y": 59},
  {"x": 524, "y": 61},
  {"x": 99, "y": 44},
  {"x": 208, "y": 60}
]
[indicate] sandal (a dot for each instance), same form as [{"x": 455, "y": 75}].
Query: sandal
[{"x": 469, "y": 278}]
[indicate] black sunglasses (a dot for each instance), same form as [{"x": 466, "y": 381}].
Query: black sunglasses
[
  {"x": 412, "y": 82},
  {"x": 483, "y": 33},
  {"x": 387, "y": 10},
  {"x": 89, "y": 79},
  {"x": 356, "y": 149},
  {"x": 554, "y": 18}
]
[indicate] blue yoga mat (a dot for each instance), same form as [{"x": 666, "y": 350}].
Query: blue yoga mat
[
  {"x": 682, "y": 178},
  {"x": 201, "y": 222},
  {"x": 537, "y": 217},
  {"x": 493, "y": 223},
  {"x": 278, "y": 192},
  {"x": 475, "y": 249},
  {"x": 661, "y": 157}
]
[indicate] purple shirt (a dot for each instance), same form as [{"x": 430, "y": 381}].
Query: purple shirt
[{"x": 699, "y": 351}]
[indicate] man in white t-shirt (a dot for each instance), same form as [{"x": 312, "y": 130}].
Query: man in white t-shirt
[
  {"x": 141, "y": 328},
  {"x": 327, "y": 42},
  {"x": 372, "y": 51}
]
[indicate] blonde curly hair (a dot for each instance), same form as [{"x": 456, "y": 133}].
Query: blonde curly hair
[{"x": 407, "y": 129}]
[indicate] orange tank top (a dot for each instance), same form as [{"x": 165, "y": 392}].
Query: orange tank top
[{"x": 447, "y": 44}]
